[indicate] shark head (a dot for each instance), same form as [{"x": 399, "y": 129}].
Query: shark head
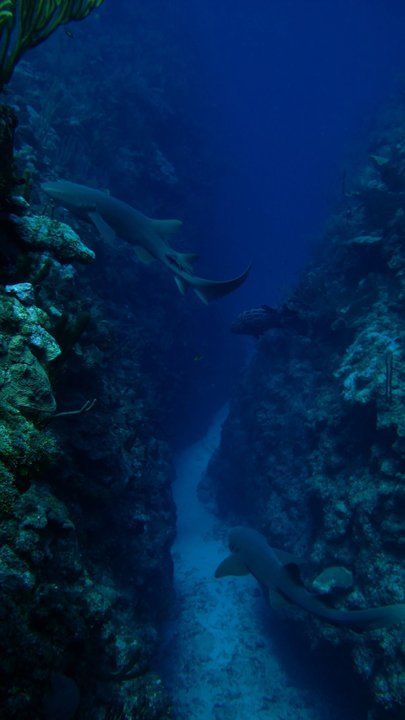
[
  {"x": 242, "y": 538},
  {"x": 70, "y": 195}
]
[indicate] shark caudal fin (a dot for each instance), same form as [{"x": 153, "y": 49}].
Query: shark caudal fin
[{"x": 208, "y": 290}]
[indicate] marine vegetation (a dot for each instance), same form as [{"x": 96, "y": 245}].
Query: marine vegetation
[
  {"x": 150, "y": 237},
  {"x": 26, "y": 23}
]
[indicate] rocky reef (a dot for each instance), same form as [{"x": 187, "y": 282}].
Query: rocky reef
[
  {"x": 86, "y": 518},
  {"x": 312, "y": 453},
  {"x": 102, "y": 364}
]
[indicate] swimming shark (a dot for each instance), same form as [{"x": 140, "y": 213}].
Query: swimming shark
[
  {"x": 278, "y": 572},
  {"x": 150, "y": 237}
]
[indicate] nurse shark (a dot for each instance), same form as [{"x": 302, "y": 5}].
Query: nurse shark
[
  {"x": 150, "y": 237},
  {"x": 277, "y": 571}
]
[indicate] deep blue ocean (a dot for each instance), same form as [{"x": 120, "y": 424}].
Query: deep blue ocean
[
  {"x": 278, "y": 98},
  {"x": 155, "y": 428}
]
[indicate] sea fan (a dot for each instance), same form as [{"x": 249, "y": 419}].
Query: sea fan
[{"x": 26, "y": 23}]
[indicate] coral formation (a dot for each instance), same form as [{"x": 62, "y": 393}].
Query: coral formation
[
  {"x": 72, "y": 600},
  {"x": 313, "y": 451},
  {"x": 75, "y": 590},
  {"x": 98, "y": 376},
  {"x": 43, "y": 232}
]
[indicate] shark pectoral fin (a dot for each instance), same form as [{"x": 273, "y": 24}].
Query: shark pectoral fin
[
  {"x": 166, "y": 228},
  {"x": 143, "y": 255},
  {"x": 181, "y": 284},
  {"x": 232, "y": 565},
  {"x": 278, "y": 601},
  {"x": 106, "y": 232}
]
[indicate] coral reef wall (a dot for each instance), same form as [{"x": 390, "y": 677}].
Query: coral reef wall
[
  {"x": 312, "y": 453},
  {"x": 86, "y": 516},
  {"x": 102, "y": 366}
]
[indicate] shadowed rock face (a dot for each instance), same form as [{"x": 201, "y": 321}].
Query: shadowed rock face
[
  {"x": 8, "y": 124},
  {"x": 313, "y": 450},
  {"x": 78, "y": 603},
  {"x": 86, "y": 516}
]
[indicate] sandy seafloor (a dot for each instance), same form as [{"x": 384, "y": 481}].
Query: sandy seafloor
[{"x": 225, "y": 656}]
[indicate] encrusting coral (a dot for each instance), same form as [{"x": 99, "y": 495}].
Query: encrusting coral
[
  {"x": 42, "y": 232},
  {"x": 26, "y": 23}
]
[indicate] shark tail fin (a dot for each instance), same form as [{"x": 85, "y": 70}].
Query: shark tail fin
[
  {"x": 167, "y": 228},
  {"x": 216, "y": 289}
]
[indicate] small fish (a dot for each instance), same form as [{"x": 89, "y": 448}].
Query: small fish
[
  {"x": 256, "y": 321},
  {"x": 69, "y": 33},
  {"x": 198, "y": 358}
]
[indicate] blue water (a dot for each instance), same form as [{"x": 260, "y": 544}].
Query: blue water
[
  {"x": 275, "y": 99},
  {"x": 291, "y": 89}
]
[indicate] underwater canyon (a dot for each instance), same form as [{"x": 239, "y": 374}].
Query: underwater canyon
[{"x": 137, "y": 425}]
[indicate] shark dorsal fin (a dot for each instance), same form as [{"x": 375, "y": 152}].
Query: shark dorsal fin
[
  {"x": 232, "y": 565},
  {"x": 167, "y": 228}
]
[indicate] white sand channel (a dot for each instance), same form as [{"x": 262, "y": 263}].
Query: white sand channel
[{"x": 221, "y": 660}]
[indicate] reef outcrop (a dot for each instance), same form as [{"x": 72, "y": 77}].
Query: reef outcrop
[
  {"x": 312, "y": 453},
  {"x": 86, "y": 516},
  {"x": 99, "y": 374}
]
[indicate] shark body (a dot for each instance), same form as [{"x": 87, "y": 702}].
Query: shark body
[
  {"x": 278, "y": 572},
  {"x": 150, "y": 237}
]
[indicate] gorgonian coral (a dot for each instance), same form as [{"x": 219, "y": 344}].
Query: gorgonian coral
[{"x": 26, "y": 23}]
